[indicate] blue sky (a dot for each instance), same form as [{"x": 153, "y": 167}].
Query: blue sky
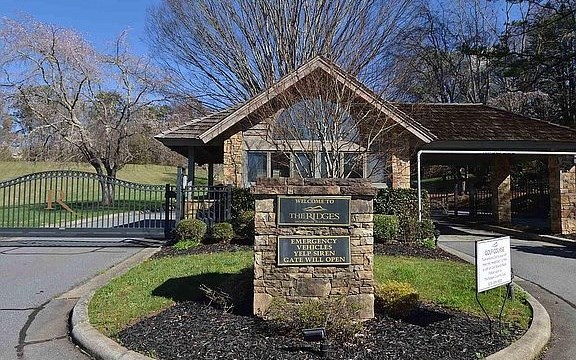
[{"x": 99, "y": 21}]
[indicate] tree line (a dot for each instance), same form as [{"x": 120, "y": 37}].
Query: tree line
[{"x": 61, "y": 98}]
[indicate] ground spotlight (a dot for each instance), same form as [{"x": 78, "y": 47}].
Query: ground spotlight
[{"x": 317, "y": 334}]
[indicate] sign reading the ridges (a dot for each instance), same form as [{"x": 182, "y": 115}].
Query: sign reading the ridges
[{"x": 314, "y": 210}]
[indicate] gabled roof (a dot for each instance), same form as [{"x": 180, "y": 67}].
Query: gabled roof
[
  {"x": 194, "y": 128},
  {"x": 433, "y": 124},
  {"x": 207, "y": 128}
]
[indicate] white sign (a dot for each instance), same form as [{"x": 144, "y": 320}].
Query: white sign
[{"x": 493, "y": 265}]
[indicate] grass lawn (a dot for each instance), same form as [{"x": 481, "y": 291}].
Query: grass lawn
[
  {"x": 449, "y": 284},
  {"x": 157, "y": 284},
  {"x": 145, "y": 174}
]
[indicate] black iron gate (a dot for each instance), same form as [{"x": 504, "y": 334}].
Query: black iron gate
[{"x": 78, "y": 203}]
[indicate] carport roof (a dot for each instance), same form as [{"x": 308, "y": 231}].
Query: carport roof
[{"x": 477, "y": 122}]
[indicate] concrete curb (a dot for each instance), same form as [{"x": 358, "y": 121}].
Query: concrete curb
[
  {"x": 531, "y": 344},
  {"x": 85, "y": 335},
  {"x": 101, "y": 347}
]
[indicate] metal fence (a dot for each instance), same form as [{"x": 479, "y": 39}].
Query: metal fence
[
  {"x": 529, "y": 198},
  {"x": 74, "y": 202}
]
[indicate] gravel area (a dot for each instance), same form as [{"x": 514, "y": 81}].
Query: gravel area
[{"x": 194, "y": 330}]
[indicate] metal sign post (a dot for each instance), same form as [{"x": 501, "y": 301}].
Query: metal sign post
[{"x": 493, "y": 268}]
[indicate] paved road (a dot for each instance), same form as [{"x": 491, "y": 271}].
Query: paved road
[
  {"x": 35, "y": 273},
  {"x": 550, "y": 271}
]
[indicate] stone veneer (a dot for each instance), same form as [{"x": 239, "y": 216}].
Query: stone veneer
[
  {"x": 301, "y": 283},
  {"x": 400, "y": 176},
  {"x": 233, "y": 160},
  {"x": 501, "y": 189},
  {"x": 562, "y": 178}
]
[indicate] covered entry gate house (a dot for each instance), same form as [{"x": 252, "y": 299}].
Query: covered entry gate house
[{"x": 409, "y": 134}]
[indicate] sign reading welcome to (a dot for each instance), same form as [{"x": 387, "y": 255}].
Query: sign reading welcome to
[
  {"x": 309, "y": 250},
  {"x": 314, "y": 210},
  {"x": 493, "y": 265}
]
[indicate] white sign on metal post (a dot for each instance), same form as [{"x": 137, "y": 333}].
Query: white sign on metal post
[{"x": 493, "y": 263}]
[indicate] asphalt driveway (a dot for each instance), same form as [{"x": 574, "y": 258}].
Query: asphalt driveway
[
  {"x": 549, "y": 271},
  {"x": 35, "y": 275}
]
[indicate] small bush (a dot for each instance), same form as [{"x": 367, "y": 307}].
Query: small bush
[
  {"x": 396, "y": 298},
  {"x": 426, "y": 234},
  {"x": 242, "y": 200},
  {"x": 191, "y": 230},
  {"x": 221, "y": 232},
  {"x": 403, "y": 203},
  {"x": 243, "y": 224},
  {"x": 386, "y": 228},
  {"x": 428, "y": 243},
  {"x": 337, "y": 315},
  {"x": 185, "y": 244}
]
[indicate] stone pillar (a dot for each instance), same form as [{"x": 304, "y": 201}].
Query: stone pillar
[
  {"x": 400, "y": 163},
  {"x": 299, "y": 283},
  {"x": 233, "y": 168},
  {"x": 562, "y": 180},
  {"x": 501, "y": 190}
]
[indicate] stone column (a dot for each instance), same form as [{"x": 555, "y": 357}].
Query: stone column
[
  {"x": 300, "y": 283},
  {"x": 400, "y": 162},
  {"x": 233, "y": 168},
  {"x": 562, "y": 180},
  {"x": 501, "y": 190}
]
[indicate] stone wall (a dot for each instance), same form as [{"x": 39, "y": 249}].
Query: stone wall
[
  {"x": 233, "y": 167},
  {"x": 562, "y": 180},
  {"x": 301, "y": 283}
]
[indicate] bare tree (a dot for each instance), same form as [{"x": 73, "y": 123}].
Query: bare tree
[
  {"x": 226, "y": 51},
  {"x": 90, "y": 101},
  {"x": 448, "y": 55},
  {"x": 325, "y": 126}
]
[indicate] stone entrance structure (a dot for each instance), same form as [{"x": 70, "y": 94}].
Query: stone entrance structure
[
  {"x": 242, "y": 139},
  {"x": 304, "y": 270}
]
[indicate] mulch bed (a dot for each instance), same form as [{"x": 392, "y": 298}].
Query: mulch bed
[{"x": 193, "y": 330}]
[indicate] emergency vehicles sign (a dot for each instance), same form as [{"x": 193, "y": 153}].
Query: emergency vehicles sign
[{"x": 493, "y": 265}]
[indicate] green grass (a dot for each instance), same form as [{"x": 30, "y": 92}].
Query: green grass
[
  {"x": 144, "y": 174},
  {"x": 157, "y": 284},
  {"x": 449, "y": 284}
]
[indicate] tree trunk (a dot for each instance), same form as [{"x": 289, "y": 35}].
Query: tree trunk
[{"x": 106, "y": 180}]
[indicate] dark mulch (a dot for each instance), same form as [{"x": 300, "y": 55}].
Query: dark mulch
[{"x": 193, "y": 330}]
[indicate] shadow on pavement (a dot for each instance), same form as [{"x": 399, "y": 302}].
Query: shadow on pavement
[
  {"x": 52, "y": 242},
  {"x": 559, "y": 251}
]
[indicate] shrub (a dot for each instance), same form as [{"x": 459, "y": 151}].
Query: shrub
[
  {"x": 426, "y": 233},
  {"x": 337, "y": 315},
  {"x": 242, "y": 200},
  {"x": 191, "y": 230},
  {"x": 403, "y": 203},
  {"x": 243, "y": 224},
  {"x": 221, "y": 232},
  {"x": 185, "y": 244},
  {"x": 386, "y": 228},
  {"x": 397, "y": 299}
]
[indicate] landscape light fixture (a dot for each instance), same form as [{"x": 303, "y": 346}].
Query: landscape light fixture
[{"x": 317, "y": 334}]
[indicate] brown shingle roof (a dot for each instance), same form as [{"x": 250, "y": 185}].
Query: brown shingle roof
[
  {"x": 476, "y": 122},
  {"x": 194, "y": 128}
]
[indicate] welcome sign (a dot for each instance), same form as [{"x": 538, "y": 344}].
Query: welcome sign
[{"x": 314, "y": 210}]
